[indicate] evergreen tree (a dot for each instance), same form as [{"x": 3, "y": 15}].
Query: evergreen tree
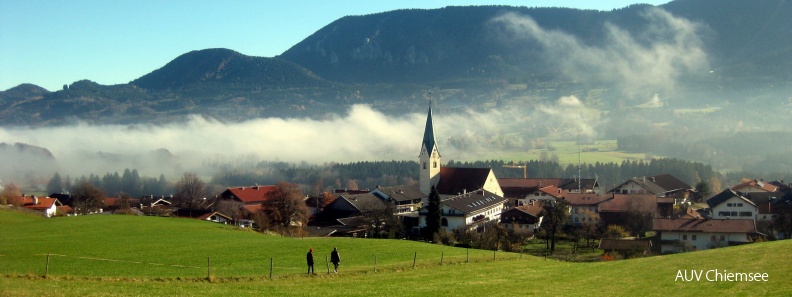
[
  {"x": 433, "y": 215},
  {"x": 55, "y": 184}
]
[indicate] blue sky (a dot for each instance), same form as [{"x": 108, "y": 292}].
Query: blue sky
[{"x": 52, "y": 43}]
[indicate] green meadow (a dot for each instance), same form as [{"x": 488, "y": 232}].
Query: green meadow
[{"x": 105, "y": 255}]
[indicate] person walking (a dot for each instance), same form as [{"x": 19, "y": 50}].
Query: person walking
[
  {"x": 309, "y": 259},
  {"x": 335, "y": 259}
]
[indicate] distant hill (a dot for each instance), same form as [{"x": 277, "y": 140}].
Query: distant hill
[
  {"x": 227, "y": 67},
  {"x": 392, "y": 60}
]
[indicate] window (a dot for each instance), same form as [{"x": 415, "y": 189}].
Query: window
[
  {"x": 712, "y": 238},
  {"x": 729, "y": 204},
  {"x": 693, "y": 237},
  {"x": 723, "y": 213},
  {"x": 746, "y": 214},
  {"x": 723, "y": 238},
  {"x": 424, "y": 165},
  {"x": 733, "y": 213},
  {"x": 739, "y": 204},
  {"x": 684, "y": 237},
  {"x": 434, "y": 164}
]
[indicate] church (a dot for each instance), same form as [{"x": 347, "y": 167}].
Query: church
[{"x": 470, "y": 197}]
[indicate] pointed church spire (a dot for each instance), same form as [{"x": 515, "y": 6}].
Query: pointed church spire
[{"x": 429, "y": 138}]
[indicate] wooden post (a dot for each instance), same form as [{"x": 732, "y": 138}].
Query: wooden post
[
  {"x": 328, "y": 265},
  {"x": 441, "y": 257},
  {"x": 208, "y": 268},
  {"x": 375, "y": 263},
  {"x": 270, "y": 268},
  {"x": 467, "y": 255},
  {"x": 415, "y": 256},
  {"x": 47, "y": 270}
]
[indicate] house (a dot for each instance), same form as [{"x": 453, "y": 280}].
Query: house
[
  {"x": 752, "y": 186},
  {"x": 764, "y": 204},
  {"x": 525, "y": 217},
  {"x": 216, "y": 217},
  {"x": 547, "y": 193},
  {"x": 156, "y": 206},
  {"x": 406, "y": 198},
  {"x": 248, "y": 195},
  {"x": 571, "y": 185},
  {"x": 583, "y": 207},
  {"x": 625, "y": 247},
  {"x": 347, "y": 206},
  {"x": 619, "y": 209},
  {"x": 684, "y": 234},
  {"x": 471, "y": 210},
  {"x": 730, "y": 204},
  {"x": 663, "y": 185},
  {"x": 47, "y": 206},
  {"x": 113, "y": 205}
]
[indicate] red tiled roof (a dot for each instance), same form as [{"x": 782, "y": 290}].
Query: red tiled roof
[
  {"x": 43, "y": 203},
  {"x": 528, "y": 182},
  {"x": 554, "y": 191},
  {"x": 532, "y": 209},
  {"x": 712, "y": 226},
  {"x": 254, "y": 208},
  {"x": 767, "y": 187},
  {"x": 251, "y": 194}
]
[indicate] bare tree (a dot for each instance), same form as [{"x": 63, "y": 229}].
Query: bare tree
[
  {"x": 378, "y": 218},
  {"x": 555, "y": 217},
  {"x": 10, "y": 192},
  {"x": 87, "y": 198},
  {"x": 640, "y": 211},
  {"x": 190, "y": 191},
  {"x": 286, "y": 209}
]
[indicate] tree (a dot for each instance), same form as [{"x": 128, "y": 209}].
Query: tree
[
  {"x": 378, "y": 218},
  {"x": 286, "y": 208},
  {"x": 640, "y": 212},
  {"x": 555, "y": 216},
  {"x": 783, "y": 217},
  {"x": 10, "y": 192},
  {"x": 55, "y": 184},
  {"x": 702, "y": 191},
  {"x": 433, "y": 214},
  {"x": 615, "y": 232},
  {"x": 87, "y": 197},
  {"x": 190, "y": 191}
]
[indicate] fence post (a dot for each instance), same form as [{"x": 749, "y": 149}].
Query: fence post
[
  {"x": 46, "y": 272},
  {"x": 208, "y": 268},
  {"x": 270, "y": 268},
  {"x": 467, "y": 255},
  {"x": 375, "y": 263},
  {"x": 415, "y": 256},
  {"x": 327, "y": 264},
  {"x": 441, "y": 257}
]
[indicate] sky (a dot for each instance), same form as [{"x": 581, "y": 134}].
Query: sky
[{"x": 50, "y": 43}]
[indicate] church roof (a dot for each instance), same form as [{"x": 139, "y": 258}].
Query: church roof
[
  {"x": 457, "y": 180},
  {"x": 429, "y": 138}
]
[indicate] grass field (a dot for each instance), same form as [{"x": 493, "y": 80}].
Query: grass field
[
  {"x": 144, "y": 251},
  {"x": 603, "y": 151}
]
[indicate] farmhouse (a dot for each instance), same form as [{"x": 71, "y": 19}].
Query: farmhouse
[
  {"x": 663, "y": 185},
  {"x": 731, "y": 205},
  {"x": 526, "y": 217},
  {"x": 47, "y": 206},
  {"x": 248, "y": 195},
  {"x": 683, "y": 234},
  {"x": 752, "y": 186},
  {"x": 472, "y": 210}
]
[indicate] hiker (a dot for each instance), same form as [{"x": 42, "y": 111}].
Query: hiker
[
  {"x": 309, "y": 259},
  {"x": 335, "y": 259}
]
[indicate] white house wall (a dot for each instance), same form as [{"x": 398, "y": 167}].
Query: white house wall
[
  {"x": 734, "y": 202},
  {"x": 700, "y": 240}
]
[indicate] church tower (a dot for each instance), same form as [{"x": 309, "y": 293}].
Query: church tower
[{"x": 429, "y": 160}]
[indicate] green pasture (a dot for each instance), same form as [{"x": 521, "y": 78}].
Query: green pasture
[
  {"x": 603, "y": 151},
  {"x": 184, "y": 242}
]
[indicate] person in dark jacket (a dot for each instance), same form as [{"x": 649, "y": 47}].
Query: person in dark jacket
[
  {"x": 335, "y": 259},
  {"x": 309, "y": 259}
]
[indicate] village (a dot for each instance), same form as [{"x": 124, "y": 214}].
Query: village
[{"x": 641, "y": 216}]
